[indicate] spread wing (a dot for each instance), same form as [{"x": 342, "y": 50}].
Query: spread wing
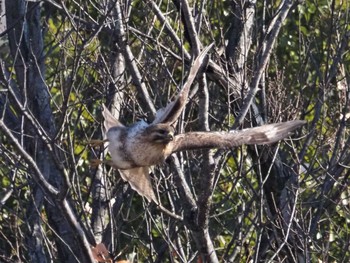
[
  {"x": 265, "y": 134},
  {"x": 173, "y": 110},
  {"x": 140, "y": 181},
  {"x": 109, "y": 120}
]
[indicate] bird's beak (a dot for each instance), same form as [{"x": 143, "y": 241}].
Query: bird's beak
[
  {"x": 162, "y": 136},
  {"x": 170, "y": 136}
]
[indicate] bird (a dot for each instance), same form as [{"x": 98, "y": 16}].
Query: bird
[{"x": 134, "y": 149}]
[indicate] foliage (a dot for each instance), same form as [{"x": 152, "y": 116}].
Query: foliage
[{"x": 276, "y": 203}]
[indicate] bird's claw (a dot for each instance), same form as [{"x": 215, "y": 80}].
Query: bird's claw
[
  {"x": 95, "y": 162},
  {"x": 95, "y": 143}
]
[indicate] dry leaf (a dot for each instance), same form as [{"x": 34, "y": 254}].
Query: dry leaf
[{"x": 100, "y": 253}]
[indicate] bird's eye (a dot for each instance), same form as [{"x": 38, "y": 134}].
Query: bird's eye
[{"x": 162, "y": 131}]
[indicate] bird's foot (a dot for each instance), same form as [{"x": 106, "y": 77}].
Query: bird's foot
[
  {"x": 95, "y": 162},
  {"x": 95, "y": 143}
]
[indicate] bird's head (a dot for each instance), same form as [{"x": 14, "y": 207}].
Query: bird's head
[{"x": 160, "y": 133}]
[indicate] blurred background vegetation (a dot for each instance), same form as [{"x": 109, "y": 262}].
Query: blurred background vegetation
[{"x": 272, "y": 61}]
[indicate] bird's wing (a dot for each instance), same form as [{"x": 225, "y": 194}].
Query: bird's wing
[
  {"x": 140, "y": 181},
  {"x": 265, "y": 134},
  {"x": 109, "y": 120},
  {"x": 172, "y": 111}
]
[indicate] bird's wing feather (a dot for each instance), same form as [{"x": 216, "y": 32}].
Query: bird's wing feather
[
  {"x": 172, "y": 111},
  {"x": 109, "y": 120},
  {"x": 265, "y": 134},
  {"x": 140, "y": 181}
]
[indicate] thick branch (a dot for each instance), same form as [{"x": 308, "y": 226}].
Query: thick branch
[{"x": 271, "y": 37}]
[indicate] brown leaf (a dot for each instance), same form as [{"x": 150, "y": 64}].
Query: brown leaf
[{"x": 100, "y": 253}]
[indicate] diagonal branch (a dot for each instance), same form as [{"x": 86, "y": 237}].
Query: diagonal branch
[
  {"x": 37, "y": 175},
  {"x": 271, "y": 37}
]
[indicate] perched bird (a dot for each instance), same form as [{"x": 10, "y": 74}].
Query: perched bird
[{"x": 135, "y": 148}]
